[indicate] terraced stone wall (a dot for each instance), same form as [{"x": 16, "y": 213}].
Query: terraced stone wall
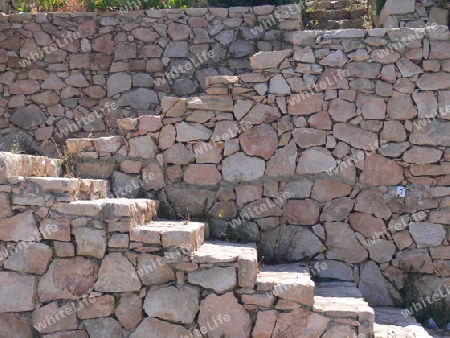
[
  {"x": 72, "y": 74},
  {"x": 335, "y": 150}
]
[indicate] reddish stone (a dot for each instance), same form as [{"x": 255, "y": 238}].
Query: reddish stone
[
  {"x": 327, "y": 189},
  {"x": 260, "y": 141},
  {"x": 379, "y": 170},
  {"x": 304, "y": 212},
  {"x": 202, "y": 174},
  {"x": 149, "y": 123},
  {"x": 98, "y": 307},
  {"x": 320, "y": 120},
  {"x": 367, "y": 225},
  {"x": 24, "y": 87},
  {"x": 129, "y": 310}
]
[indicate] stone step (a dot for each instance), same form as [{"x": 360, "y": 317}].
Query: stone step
[
  {"x": 102, "y": 145},
  {"x": 243, "y": 256},
  {"x": 390, "y": 322},
  {"x": 343, "y": 302},
  {"x": 141, "y": 126},
  {"x": 178, "y": 234},
  {"x": 27, "y": 166},
  {"x": 37, "y": 190},
  {"x": 291, "y": 282},
  {"x": 140, "y": 211}
]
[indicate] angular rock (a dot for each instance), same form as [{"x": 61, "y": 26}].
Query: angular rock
[
  {"x": 381, "y": 251},
  {"x": 283, "y": 162},
  {"x": 129, "y": 310},
  {"x": 333, "y": 270},
  {"x": 373, "y": 286},
  {"x": 265, "y": 323},
  {"x": 309, "y": 137},
  {"x": 341, "y": 110},
  {"x": 155, "y": 328},
  {"x": 33, "y": 258},
  {"x": 434, "y": 81},
  {"x": 300, "y": 322},
  {"x": 216, "y": 278},
  {"x": 356, "y": 137},
  {"x": 21, "y": 227},
  {"x": 422, "y": 155},
  {"x": 15, "y": 325},
  {"x": 381, "y": 171},
  {"x": 191, "y": 132},
  {"x": 18, "y": 293},
  {"x": 337, "y": 210},
  {"x": 98, "y": 307},
  {"x": 106, "y": 327},
  {"x": 267, "y": 60},
  {"x": 326, "y": 189},
  {"x": 314, "y": 161},
  {"x": 238, "y": 324},
  {"x": 154, "y": 270},
  {"x": 305, "y": 104},
  {"x": 371, "y": 202},
  {"x": 400, "y": 107},
  {"x": 367, "y": 225},
  {"x": 117, "y": 274},
  {"x": 342, "y": 244},
  {"x": 305, "y": 212},
  {"x": 140, "y": 98},
  {"x": 46, "y": 319},
  {"x": 202, "y": 174},
  {"x": 27, "y": 117},
  {"x": 259, "y": 141},
  {"x": 239, "y": 167},
  {"x": 173, "y": 304},
  {"x": 300, "y": 188},
  {"x": 90, "y": 242},
  {"x": 427, "y": 234}
]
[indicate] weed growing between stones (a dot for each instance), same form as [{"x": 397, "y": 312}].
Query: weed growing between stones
[{"x": 423, "y": 308}]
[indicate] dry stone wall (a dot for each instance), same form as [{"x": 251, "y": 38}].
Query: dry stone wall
[
  {"x": 72, "y": 74},
  {"x": 309, "y": 155}
]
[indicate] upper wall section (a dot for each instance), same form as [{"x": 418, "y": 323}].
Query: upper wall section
[{"x": 57, "y": 69}]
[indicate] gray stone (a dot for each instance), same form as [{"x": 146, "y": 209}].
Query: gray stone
[
  {"x": 191, "y": 132},
  {"x": 125, "y": 185},
  {"x": 216, "y": 278},
  {"x": 27, "y": 117},
  {"x": 103, "y": 327},
  {"x": 173, "y": 304},
  {"x": 342, "y": 244},
  {"x": 314, "y": 161},
  {"x": 240, "y": 48},
  {"x": 140, "y": 98},
  {"x": 240, "y": 167},
  {"x": 300, "y": 188},
  {"x": 333, "y": 270},
  {"x": 184, "y": 86},
  {"x": 381, "y": 251},
  {"x": 427, "y": 234},
  {"x": 118, "y": 83},
  {"x": 373, "y": 286}
]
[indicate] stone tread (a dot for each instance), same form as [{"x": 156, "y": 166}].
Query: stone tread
[
  {"x": 341, "y": 300},
  {"x": 224, "y": 252},
  {"x": 27, "y": 166},
  {"x": 390, "y": 322},
  {"x": 287, "y": 281},
  {"x": 170, "y": 234},
  {"x": 65, "y": 184},
  {"x": 110, "y": 208}
]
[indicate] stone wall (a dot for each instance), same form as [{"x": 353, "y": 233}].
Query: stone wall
[
  {"x": 76, "y": 264},
  {"x": 307, "y": 153},
  {"x": 58, "y": 68},
  {"x": 413, "y": 13}
]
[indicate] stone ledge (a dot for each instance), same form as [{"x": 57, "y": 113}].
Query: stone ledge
[
  {"x": 391, "y": 322},
  {"x": 170, "y": 234}
]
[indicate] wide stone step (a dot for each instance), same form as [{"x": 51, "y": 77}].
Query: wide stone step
[
  {"x": 390, "y": 322},
  {"x": 223, "y": 254},
  {"x": 140, "y": 211},
  {"x": 178, "y": 234},
  {"x": 27, "y": 165},
  {"x": 343, "y": 302},
  {"x": 291, "y": 282},
  {"x": 36, "y": 190}
]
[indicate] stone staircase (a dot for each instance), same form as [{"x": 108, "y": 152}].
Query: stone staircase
[
  {"x": 339, "y": 14},
  {"x": 170, "y": 260}
]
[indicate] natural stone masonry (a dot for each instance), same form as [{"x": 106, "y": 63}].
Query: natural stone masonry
[
  {"x": 305, "y": 153},
  {"x": 134, "y": 276},
  {"x": 73, "y": 74}
]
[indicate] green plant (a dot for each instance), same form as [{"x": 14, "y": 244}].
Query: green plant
[
  {"x": 380, "y": 5},
  {"x": 236, "y": 234},
  {"x": 438, "y": 310},
  {"x": 49, "y": 5}
]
